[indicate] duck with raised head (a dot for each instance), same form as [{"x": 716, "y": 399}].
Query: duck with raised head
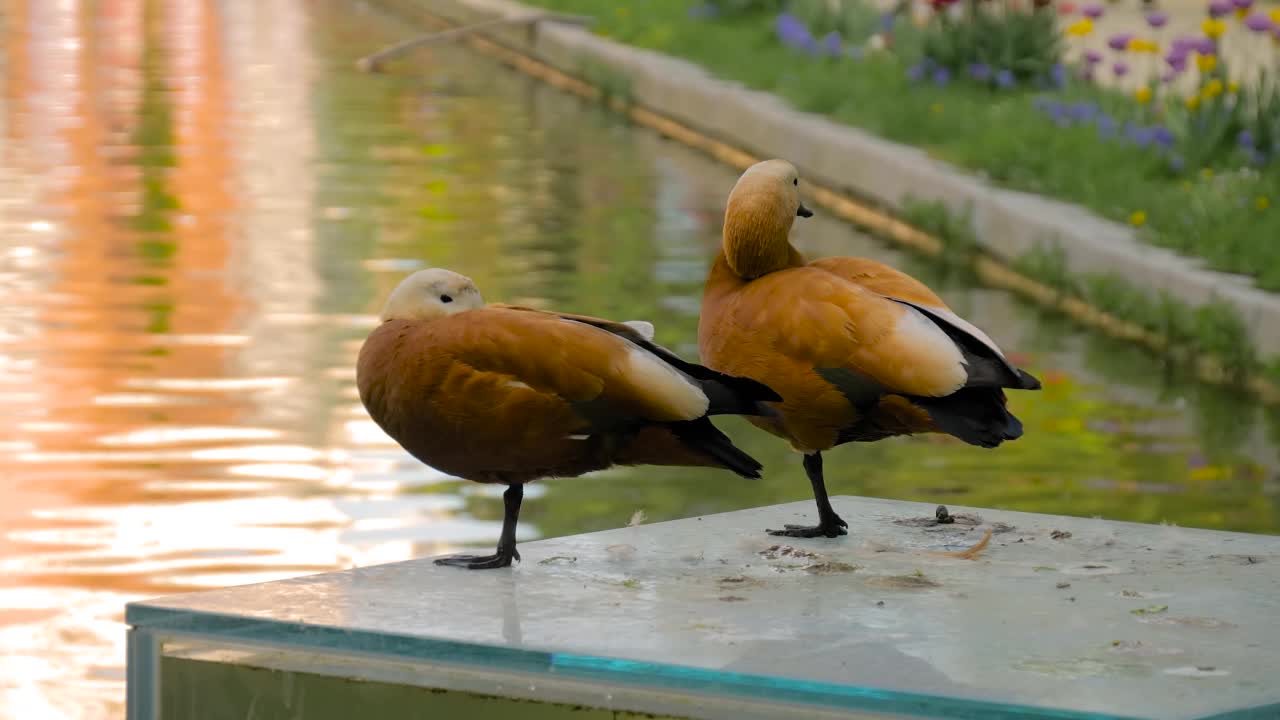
[
  {"x": 507, "y": 394},
  {"x": 858, "y": 351}
]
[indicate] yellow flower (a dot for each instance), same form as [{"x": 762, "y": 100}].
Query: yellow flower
[
  {"x": 936, "y": 108},
  {"x": 1241, "y": 12},
  {"x": 1275, "y": 16},
  {"x": 1081, "y": 27},
  {"x": 1213, "y": 88},
  {"x": 1262, "y": 202},
  {"x": 1233, "y": 87},
  {"x": 1138, "y": 218},
  {"x": 1143, "y": 45},
  {"x": 1142, "y": 95},
  {"x": 1207, "y": 173},
  {"x": 1213, "y": 27},
  {"x": 1206, "y": 63},
  {"x": 1193, "y": 102}
]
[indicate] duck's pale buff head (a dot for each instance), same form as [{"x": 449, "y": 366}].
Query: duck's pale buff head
[
  {"x": 762, "y": 207},
  {"x": 430, "y": 294}
]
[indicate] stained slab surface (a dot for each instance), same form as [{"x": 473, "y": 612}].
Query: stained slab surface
[{"x": 1081, "y": 615}]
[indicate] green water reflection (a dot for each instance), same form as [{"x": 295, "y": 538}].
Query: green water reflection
[{"x": 557, "y": 204}]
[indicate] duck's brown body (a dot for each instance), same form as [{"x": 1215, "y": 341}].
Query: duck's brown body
[
  {"x": 858, "y": 351},
  {"x": 510, "y": 395},
  {"x": 504, "y": 394}
]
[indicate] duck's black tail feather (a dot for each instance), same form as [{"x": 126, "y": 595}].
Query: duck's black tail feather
[
  {"x": 705, "y": 438},
  {"x": 733, "y": 395},
  {"x": 976, "y": 415}
]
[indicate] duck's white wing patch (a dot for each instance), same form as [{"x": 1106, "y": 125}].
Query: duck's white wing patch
[
  {"x": 936, "y": 361},
  {"x": 942, "y": 315},
  {"x": 643, "y": 327},
  {"x": 672, "y": 387},
  {"x": 675, "y": 389}
]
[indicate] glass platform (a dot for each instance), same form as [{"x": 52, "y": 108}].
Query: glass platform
[{"x": 709, "y": 617}]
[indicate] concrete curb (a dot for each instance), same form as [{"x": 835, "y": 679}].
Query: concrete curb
[{"x": 842, "y": 158}]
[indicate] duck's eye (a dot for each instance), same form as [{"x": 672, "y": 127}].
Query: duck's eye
[
  {"x": 795, "y": 181},
  {"x": 446, "y": 298}
]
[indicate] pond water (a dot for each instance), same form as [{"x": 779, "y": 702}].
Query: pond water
[{"x": 202, "y": 205}]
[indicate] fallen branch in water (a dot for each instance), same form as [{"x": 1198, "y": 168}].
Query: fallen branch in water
[{"x": 373, "y": 63}]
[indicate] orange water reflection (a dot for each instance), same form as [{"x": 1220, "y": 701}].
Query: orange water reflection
[{"x": 155, "y": 168}]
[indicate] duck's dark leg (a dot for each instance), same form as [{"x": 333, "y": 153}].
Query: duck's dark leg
[
  {"x": 829, "y": 523},
  {"x": 506, "y": 542}
]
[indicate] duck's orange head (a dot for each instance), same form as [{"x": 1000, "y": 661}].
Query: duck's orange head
[
  {"x": 762, "y": 207},
  {"x": 430, "y": 294}
]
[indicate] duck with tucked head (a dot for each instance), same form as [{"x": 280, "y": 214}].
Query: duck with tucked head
[
  {"x": 506, "y": 394},
  {"x": 858, "y": 351}
]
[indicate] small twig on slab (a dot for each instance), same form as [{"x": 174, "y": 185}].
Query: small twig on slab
[
  {"x": 373, "y": 63},
  {"x": 971, "y": 553}
]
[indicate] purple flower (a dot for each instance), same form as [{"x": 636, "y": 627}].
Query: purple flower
[
  {"x": 1092, "y": 11},
  {"x": 1058, "y": 75},
  {"x": 941, "y": 76},
  {"x": 1106, "y": 126},
  {"x": 1218, "y": 8},
  {"x": 1093, "y": 57},
  {"x": 887, "y": 20},
  {"x": 794, "y": 34},
  {"x": 1177, "y": 59},
  {"x": 1004, "y": 78},
  {"x": 1185, "y": 43},
  {"x": 1157, "y": 19},
  {"x": 831, "y": 43},
  {"x": 1176, "y": 163},
  {"x": 1245, "y": 138},
  {"x": 1257, "y": 157},
  {"x": 980, "y": 72},
  {"x": 1258, "y": 23},
  {"x": 1206, "y": 46},
  {"x": 1084, "y": 111},
  {"x": 1162, "y": 136},
  {"x": 1121, "y": 68},
  {"x": 1119, "y": 41},
  {"x": 1242, "y": 4},
  {"x": 916, "y": 72},
  {"x": 1143, "y": 137}
]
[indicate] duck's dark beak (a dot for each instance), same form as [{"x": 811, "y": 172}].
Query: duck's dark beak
[{"x": 803, "y": 211}]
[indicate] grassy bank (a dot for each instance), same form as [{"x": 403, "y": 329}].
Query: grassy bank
[{"x": 1221, "y": 214}]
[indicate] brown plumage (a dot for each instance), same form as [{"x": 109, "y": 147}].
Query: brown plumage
[
  {"x": 505, "y": 394},
  {"x": 859, "y": 351}
]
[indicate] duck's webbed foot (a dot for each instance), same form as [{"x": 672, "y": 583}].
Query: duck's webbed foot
[
  {"x": 833, "y": 526},
  {"x": 829, "y": 523},
  {"x": 506, "y": 542},
  {"x": 499, "y": 559}
]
